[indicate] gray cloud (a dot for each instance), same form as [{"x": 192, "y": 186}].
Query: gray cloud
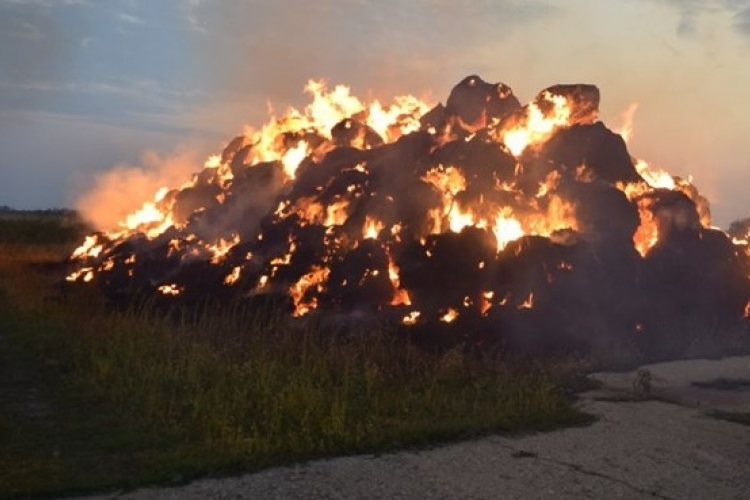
[
  {"x": 25, "y": 30},
  {"x": 62, "y": 57},
  {"x": 130, "y": 18},
  {"x": 147, "y": 90},
  {"x": 191, "y": 12},
  {"x": 691, "y": 10},
  {"x": 742, "y": 21},
  {"x": 33, "y": 44},
  {"x": 46, "y": 3},
  {"x": 52, "y": 51},
  {"x": 687, "y": 26}
]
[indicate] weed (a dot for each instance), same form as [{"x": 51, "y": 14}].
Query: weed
[{"x": 644, "y": 381}]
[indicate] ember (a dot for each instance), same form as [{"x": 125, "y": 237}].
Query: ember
[{"x": 479, "y": 220}]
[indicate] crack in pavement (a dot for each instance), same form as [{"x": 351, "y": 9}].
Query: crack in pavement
[{"x": 516, "y": 453}]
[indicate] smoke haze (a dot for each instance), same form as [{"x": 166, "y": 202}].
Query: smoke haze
[{"x": 121, "y": 190}]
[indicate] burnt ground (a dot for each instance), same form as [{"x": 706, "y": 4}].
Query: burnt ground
[{"x": 663, "y": 431}]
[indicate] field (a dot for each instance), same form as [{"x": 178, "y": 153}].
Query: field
[{"x": 94, "y": 398}]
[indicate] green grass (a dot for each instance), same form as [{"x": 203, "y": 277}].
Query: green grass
[{"x": 92, "y": 399}]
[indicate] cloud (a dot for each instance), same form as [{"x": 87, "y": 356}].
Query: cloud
[
  {"x": 244, "y": 54},
  {"x": 25, "y": 31},
  {"x": 67, "y": 57},
  {"x": 130, "y": 18},
  {"x": 157, "y": 111},
  {"x": 36, "y": 39},
  {"x": 46, "y": 4},
  {"x": 190, "y": 11},
  {"x": 742, "y": 21},
  {"x": 687, "y": 25},
  {"x": 691, "y": 12},
  {"x": 142, "y": 90}
]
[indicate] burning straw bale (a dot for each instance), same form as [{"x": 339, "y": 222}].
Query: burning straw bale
[{"x": 481, "y": 221}]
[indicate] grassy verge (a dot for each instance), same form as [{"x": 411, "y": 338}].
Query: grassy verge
[{"x": 92, "y": 399}]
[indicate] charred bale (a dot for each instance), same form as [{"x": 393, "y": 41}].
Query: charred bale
[
  {"x": 193, "y": 199},
  {"x": 231, "y": 149},
  {"x": 435, "y": 119},
  {"x": 605, "y": 216},
  {"x": 697, "y": 289},
  {"x": 360, "y": 279},
  {"x": 582, "y": 100},
  {"x": 590, "y": 152},
  {"x": 473, "y": 102},
  {"x": 445, "y": 270},
  {"x": 481, "y": 161},
  {"x": 355, "y": 134},
  {"x": 312, "y": 176}
]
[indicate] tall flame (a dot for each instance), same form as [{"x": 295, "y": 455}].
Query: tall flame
[{"x": 536, "y": 126}]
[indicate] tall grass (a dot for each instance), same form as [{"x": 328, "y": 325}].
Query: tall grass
[
  {"x": 163, "y": 394},
  {"x": 254, "y": 389}
]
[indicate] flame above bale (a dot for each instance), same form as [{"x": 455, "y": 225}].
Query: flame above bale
[{"x": 493, "y": 219}]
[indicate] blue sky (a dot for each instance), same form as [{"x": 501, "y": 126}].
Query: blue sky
[{"x": 86, "y": 86}]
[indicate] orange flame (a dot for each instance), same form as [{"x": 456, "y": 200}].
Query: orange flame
[
  {"x": 411, "y": 318},
  {"x": 372, "y": 228},
  {"x": 232, "y": 277},
  {"x": 315, "y": 278},
  {"x": 535, "y": 127},
  {"x": 528, "y": 303},
  {"x": 170, "y": 289},
  {"x": 449, "y": 316}
]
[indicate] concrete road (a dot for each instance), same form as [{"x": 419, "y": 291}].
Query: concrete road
[{"x": 640, "y": 448}]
